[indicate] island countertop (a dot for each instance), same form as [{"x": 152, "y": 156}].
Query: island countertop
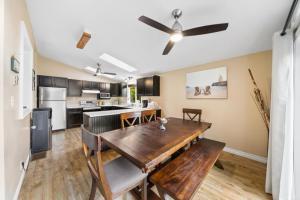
[{"x": 116, "y": 112}]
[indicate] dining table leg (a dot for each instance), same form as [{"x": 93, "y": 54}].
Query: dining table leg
[{"x": 145, "y": 189}]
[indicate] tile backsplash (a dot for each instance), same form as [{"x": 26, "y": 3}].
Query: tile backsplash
[{"x": 74, "y": 101}]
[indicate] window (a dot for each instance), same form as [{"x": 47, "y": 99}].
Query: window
[
  {"x": 25, "y": 74},
  {"x": 132, "y": 90},
  {"x": 131, "y": 93}
]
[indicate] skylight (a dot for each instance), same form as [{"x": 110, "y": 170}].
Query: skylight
[
  {"x": 91, "y": 69},
  {"x": 117, "y": 62}
]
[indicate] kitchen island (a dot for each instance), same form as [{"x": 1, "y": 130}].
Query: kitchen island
[{"x": 103, "y": 121}]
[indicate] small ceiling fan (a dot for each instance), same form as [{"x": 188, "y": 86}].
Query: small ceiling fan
[
  {"x": 99, "y": 71},
  {"x": 176, "y": 32}
]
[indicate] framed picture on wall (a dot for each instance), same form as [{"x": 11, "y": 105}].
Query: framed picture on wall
[
  {"x": 206, "y": 84},
  {"x": 14, "y": 64}
]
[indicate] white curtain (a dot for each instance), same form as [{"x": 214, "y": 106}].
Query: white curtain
[
  {"x": 280, "y": 169},
  {"x": 297, "y": 114}
]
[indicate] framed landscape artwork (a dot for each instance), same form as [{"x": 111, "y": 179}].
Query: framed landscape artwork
[{"x": 210, "y": 83}]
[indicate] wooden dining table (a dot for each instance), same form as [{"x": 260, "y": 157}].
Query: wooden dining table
[{"x": 146, "y": 145}]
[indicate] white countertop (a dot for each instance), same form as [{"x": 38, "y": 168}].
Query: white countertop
[
  {"x": 116, "y": 112},
  {"x": 79, "y": 106}
]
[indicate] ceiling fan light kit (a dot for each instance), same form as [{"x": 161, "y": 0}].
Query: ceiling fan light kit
[
  {"x": 176, "y": 37},
  {"x": 177, "y": 33}
]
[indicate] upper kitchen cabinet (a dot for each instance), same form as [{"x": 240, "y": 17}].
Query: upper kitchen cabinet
[
  {"x": 149, "y": 86},
  {"x": 50, "y": 81},
  {"x": 105, "y": 87},
  {"x": 89, "y": 85},
  {"x": 44, "y": 81},
  {"x": 59, "y": 82},
  {"x": 75, "y": 88},
  {"x": 140, "y": 87},
  {"x": 115, "y": 89}
]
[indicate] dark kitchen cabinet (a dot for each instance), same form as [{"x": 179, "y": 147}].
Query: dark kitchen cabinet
[
  {"x": 74, "y": 88},
  {"x": 44, "y": 81},
  {"x": 115, "y": 89},
  {"x": 140, "y": 87},
  {"x": 102, "y": 87},
  {"x": 149, "y": 86},
  {"x": 105, "y": 87},
  {"x": 59, "y": 82},
  {"x": 74, "y": 117},
  {"x": 86, "y": 85},
  {"x": 50, "y": 81},
  {"x": 95, "y": 85},
  {"x": 90, "y": 85}
]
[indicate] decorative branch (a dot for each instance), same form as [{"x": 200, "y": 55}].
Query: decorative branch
[{"x": 260, "y": 102}]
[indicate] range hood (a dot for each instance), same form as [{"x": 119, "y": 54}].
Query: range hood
[{"x": 91, "y": 91}]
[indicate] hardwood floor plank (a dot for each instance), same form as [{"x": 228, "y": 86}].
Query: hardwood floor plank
[{"x": 63, "y": 175}]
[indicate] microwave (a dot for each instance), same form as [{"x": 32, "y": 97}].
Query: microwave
[{"x": 103, "y": 96}]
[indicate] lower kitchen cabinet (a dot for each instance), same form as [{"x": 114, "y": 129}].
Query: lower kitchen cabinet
[{"x": 74, "y": 117}]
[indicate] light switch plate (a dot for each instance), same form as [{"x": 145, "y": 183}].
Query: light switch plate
[{"x": 12, "y": 101}]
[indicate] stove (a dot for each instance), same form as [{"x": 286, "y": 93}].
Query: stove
[{"x": 89, "y": 105}]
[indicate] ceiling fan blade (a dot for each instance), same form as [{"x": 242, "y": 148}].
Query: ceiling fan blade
[
  {"x": 168, "y": 47},
  {"x": 205, "y": 29},
  {"x": 155, "y": 24},
  {"x": 109, "y": 73}
]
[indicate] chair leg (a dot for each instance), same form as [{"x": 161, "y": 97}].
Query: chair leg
[
  {"x": 219, "y": 165},
  {"x": 144, "y": 191},
  {"x": 93, "y": 190}
]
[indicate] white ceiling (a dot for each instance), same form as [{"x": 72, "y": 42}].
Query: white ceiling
[{"x": 115, "y": 29}]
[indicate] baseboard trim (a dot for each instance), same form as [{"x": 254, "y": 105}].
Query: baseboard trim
[
  {"x": 21, "y": 178},
  {"x": 246, "y": 155}
]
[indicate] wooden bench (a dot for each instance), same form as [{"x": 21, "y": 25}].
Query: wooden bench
[{"x": 181, "y": 178}]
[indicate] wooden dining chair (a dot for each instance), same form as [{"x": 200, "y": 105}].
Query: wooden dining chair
[
  {"x": 194, "y": 112},
  {"x": 114, "y": 178},
  {"x": 148, "y": 115},
  {"x": 130, "y": 118}
]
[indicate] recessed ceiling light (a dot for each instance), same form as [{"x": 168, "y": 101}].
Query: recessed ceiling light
[{"x": 117, "y": 62}]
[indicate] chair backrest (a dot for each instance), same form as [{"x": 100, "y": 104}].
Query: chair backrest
[
  {"x": 148, "y": 115},
  {"x": 195, "y": 112},
  {"x": 92, "y": 143},
  {"x": 130, "y": 118}
]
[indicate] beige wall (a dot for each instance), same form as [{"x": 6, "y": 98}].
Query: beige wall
[
  {"x": 236, "y": 120},
  {"x": 46, "y": 66},
  {"x": 17, "y": 132}
]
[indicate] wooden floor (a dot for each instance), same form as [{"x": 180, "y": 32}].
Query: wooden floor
[{"x": 63, "y": 174}]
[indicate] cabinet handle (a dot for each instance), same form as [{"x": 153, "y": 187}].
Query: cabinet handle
[{"x": 24, "y": 107}]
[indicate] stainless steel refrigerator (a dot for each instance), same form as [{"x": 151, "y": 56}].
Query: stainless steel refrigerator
[{"x": 54, "y": 98}]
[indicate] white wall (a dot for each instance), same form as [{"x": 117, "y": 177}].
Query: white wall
[
  {"x": 2, "y": 190},
  {"x": 16, "y": 132}
]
